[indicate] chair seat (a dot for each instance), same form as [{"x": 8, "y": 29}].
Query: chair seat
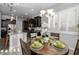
[
  {"x": 25, "y": 47},
  {"x": 76, "y": 52}
]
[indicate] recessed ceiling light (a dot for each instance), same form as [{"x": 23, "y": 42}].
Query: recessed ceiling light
[
  {"x": 26, "y": 13},
  {"x": 32, "y": 9},
  {"x": 14, "y": 10},
  {"x": 50, "y": 10}
]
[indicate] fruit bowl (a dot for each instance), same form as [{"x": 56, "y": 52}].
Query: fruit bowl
[
  {"x": 58, "y": 45},
  {"x": 36, "y": 48},
  {"x": 36, "y": 45}
]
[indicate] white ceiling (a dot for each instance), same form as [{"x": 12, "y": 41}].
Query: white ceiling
[{"x": 26, "y": 8}]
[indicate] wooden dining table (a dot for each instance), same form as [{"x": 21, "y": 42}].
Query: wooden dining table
[{"x": 51, "y": 50}]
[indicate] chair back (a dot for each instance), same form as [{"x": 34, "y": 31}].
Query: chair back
[
  {"x": 25, "y": 48},
  {"x": 76, "y": 52},
  {"x": 55, "y": 35}
]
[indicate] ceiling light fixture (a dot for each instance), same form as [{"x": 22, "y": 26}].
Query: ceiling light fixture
[
  {"x": 47, "y": 13},
  {"x": 42, "y": 12},
  {"x": 13, "y": 20},
  {"x": 51, "y": 12}
]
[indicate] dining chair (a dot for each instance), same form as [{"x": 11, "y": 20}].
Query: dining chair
[
  {"x": 76, "y": 51},
  {"x": 38, "y": 33},
  {"x": 25, "y": 47},
  {"x": 7, "y": 41},
  {"x": 55, "y": 35}
]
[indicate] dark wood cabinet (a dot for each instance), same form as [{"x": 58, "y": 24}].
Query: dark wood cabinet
[
  {"x": 33, "y": 22},
  {"x": 25, "y": 26},
  {"x": 37, "y": 21},
  {"x": 4, "y": 27},
  {"x": 4, "y": 23}
]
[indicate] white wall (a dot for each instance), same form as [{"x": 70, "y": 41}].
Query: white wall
[
  {"x": 44, "y": 20},
  {"x": 65, "y": 20},
  {"x": 19, "y": 23},
  {"x": 63, "y": 6},
  {"x": 68, "y": 33}
]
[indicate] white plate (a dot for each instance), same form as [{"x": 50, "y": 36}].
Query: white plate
[
  {"x": 57, "y": 47},
  {"x": 36, "y": 48}
]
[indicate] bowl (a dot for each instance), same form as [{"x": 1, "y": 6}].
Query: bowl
[
  {"x": 36, "y": 48},
  {"x": 54, "y": 46}
]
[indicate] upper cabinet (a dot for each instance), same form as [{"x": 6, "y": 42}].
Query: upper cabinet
[
  {"x": 32, "y": 23},
  {"x": 37, "y": 22}
]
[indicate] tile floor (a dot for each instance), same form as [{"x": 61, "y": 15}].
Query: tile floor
[{"x": 13, "y": 52}]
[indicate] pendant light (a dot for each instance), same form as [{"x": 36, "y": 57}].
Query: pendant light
[{"x": 12, "y": 23}]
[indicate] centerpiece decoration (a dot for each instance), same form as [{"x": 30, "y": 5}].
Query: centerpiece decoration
[{"x": 39, "y": 42}]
